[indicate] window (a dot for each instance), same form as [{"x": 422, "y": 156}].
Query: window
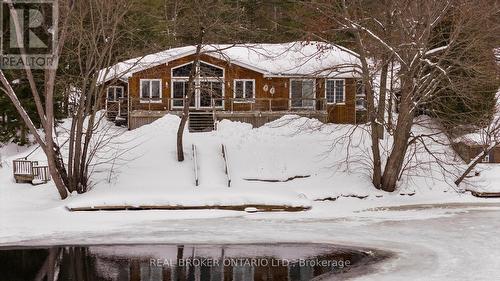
[
  {"x": 205, "y": 70},
  {"x": 486, "y": 159},
  {"x": 205, "y": 93},
  {"x": 150, "y": 90},
  {"x": 302, "y": 93},
  {"x": 335, "y": 91},
  {"x": 210, "y": 91},
  {"x": 182, "y": 71},
  {"x": 360, "y": 96},
  {"x": 115, "y": 93},
  {"x": 179, "y": 90},
  {"x": 208, "y": 85},
  {"x": 244, "y": 89},
  {"x": 360, "y": 88}
]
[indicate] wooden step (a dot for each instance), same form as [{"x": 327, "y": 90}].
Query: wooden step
[{"x": 200, "y": 122}]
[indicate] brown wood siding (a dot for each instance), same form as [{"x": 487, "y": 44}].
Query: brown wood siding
[
  {"x": 344, "y": 113},
  {"x": 496, "y": 155},
  {"x": 103, "y": 92},
  {"x": 469, "y": 152},
  {"x": 164, "y": 72},
  {"x": 278, "y": 102},
  {"x": 257, "y": 119},
  {"x": 158, "y": 72}
]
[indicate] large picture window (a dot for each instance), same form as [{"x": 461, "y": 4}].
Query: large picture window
[
  {"x": 182, "y": 71},
  {"x": 205, "y": 70},
  {"x": 208, "y": 85},
  {"x": 244, "y": 89},
  {"x": 335, "y": 91},
  {"x": 302, "y": 93},
  {"x": 151, "y": 90}
]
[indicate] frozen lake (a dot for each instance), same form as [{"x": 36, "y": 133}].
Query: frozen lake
[
  {"x": 160, "y": 262},
  {"x": 428, "y": 242}
]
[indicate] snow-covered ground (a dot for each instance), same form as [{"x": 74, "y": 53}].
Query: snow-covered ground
[{"x": 436, "y": 233}]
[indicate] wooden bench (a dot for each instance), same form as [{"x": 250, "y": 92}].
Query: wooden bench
[{"x": 30, "y": 171}]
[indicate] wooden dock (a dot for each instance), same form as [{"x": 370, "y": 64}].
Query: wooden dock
[
  {"x": 485, "y": 194},
  {"x": 259, "y": 208}
]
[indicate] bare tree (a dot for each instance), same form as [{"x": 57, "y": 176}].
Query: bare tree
[
  {"x": 203, "y": 23},
  {"x": 93, "y": 36},
  {"x": 427, "y": 57},
  {"x": 98, "y": 39},
  {"x": 44, "y": 101}
]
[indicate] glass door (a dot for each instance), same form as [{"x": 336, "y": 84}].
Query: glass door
[
  {"x": 302, "y": 93},
  {"x": 210, "y": 94},
  {"x": 179, "y": 91}
]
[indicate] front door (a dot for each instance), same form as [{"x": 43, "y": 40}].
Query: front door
[
  {"x": 206, "y": 95},
  {"x": 302, "y": 93}
]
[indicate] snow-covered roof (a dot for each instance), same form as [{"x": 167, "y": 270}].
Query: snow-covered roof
[
  {"x": 286, "y": 59},
  {"x": 475, "y": 138}
]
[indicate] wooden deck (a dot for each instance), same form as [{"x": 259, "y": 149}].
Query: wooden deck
[
  {"x": 258, "y": 119},
  {"x": 485, "y": 194},
  {"x": 256, "y": 111},
  {"x": 138, "y": 118}
]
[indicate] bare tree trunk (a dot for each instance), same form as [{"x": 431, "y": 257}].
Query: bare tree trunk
[
  {"x": 371, "y": 112},
  {"x": 401, "y": 136},
  {"x": 381, "y": 98},
  {"x": 390, "y": 102},
  {"x": 478, "y": 159},
  {"x": 377, "y": 165},
  {"x": 46, "y": 145},
  {"x": 188, "y": 98},
  {"x": 52, "y": 150}
]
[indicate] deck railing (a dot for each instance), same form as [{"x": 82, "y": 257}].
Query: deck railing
[
  {"x": 116, "y": 107},
  {"x": 30, "y": 171},
  {"x": 23, "y": 167},
  {"x": 226, "y": 165},
  {"x": 195, "y": 165},
  {"x": 276, "y": 104},
  {"x": 41, "y": 173},
  {"x": 235, "y": 104}
]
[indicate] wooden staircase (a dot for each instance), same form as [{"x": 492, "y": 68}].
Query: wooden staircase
[
  {"x": 201, "y": 122},
  {"x": 116, "y": 111}
]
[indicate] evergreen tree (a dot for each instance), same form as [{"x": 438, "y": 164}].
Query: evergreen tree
[
  {"x": 471, "y": 101},
  {"x": 12, "y": 128}
]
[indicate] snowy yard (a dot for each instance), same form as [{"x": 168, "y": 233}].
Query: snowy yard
[{"x": 447, "y": 235}]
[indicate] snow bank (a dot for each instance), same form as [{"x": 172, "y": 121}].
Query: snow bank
[
  {"x": 147, "y": 173},
  {"x": 290, "y": 161}
]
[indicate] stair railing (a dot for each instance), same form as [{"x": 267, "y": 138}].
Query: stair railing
[
  {"x": 214, "y": 120},
  {"x": 226, "y": 165},
  {"x": 195, "y": 160}
]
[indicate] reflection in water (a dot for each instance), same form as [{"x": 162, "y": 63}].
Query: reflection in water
[{"x": 178, "y": 262}]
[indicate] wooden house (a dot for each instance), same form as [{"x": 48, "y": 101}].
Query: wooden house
[
  {"x": 254, "y": 83},
  {"x": 468, "y": 150}
]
